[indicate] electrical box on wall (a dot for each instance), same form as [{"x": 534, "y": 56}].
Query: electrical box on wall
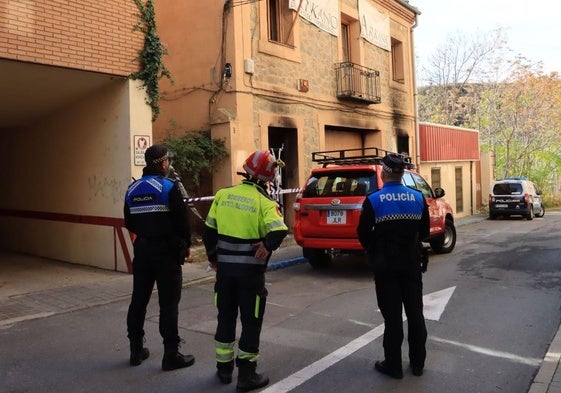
[
  {"x": 303, "y": 85},
  {"x": 249, "y": 66}
]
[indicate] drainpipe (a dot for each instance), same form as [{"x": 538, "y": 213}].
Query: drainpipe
[{"x": 415, "y": 104}]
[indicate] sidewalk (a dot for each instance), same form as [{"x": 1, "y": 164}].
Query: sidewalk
[{"x": 32, "y": 287}]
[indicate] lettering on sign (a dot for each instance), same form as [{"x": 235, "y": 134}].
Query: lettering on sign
[
  {"x": 322, "y": 13},
  {"x": 397, "y": 196},
  {"x": 141, "y": 143},
  {"x": 374, "y": 25}
]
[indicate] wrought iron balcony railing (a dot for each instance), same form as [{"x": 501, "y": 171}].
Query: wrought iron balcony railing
[{"x": 357, "y": 83}]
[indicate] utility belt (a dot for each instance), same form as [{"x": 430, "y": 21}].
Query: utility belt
[
  {"x": 238, "y": 253},
  {"x": 168, "y": 245}
]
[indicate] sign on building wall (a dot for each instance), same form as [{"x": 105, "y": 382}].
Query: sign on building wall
[
  {"x": 141, "y": 143},
  {"x": 322, "y": 13},
  {"x": 374, "y": 25}
]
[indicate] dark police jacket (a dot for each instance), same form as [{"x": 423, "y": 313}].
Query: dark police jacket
[
  {"x": 154, "y": 209},
  {"x": 392, "y": 223}
]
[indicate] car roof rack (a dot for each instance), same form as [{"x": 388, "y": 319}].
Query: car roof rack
[{"x": 358, "y": 156}]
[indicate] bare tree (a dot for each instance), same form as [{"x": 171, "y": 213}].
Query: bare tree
[
  {"x": 476, "y": 83},
  {"x": 452, "y": 71}
]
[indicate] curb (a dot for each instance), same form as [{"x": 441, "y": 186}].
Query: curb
[{"x": 287, "y": 263}]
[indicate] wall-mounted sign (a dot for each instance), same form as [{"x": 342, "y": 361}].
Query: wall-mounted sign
[
  {"x": 141, "y": 143},
  {"x": 322, "y": 13},
  {"x": 374, "y": 25}
]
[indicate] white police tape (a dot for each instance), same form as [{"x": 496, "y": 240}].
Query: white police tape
[
  {"x": 285, "y": 191},
  {"x": 274, "y": 192}
]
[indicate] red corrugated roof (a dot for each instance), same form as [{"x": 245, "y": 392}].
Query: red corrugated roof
[{"x": 448, "y": 143}]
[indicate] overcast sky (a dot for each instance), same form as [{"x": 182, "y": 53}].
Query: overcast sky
[{"x": 533, "y": 29}]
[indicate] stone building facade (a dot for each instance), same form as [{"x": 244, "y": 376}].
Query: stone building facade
[{"x": 301, "y": 76}]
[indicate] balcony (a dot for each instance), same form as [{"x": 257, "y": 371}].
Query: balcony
[{"x": 357, "y": 83}]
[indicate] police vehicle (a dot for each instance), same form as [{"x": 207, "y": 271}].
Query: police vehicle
[{"x": 515, "y": 196}]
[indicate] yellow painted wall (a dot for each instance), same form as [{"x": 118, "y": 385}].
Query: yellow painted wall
[
  {"x": 78, "y": 161},
  {"x": 448, "y": 183}
]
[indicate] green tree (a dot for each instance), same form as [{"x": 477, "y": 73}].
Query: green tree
[
  {"x": 196, "y": 154},
  {"x": 520, "y": 121}
]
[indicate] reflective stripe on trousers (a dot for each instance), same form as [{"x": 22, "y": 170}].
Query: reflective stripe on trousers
[
  {"x": 250, "y": 357},
  {"x": 224, "y": 351}
]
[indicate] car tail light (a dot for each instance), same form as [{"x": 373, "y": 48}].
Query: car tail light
[
  {"x": 526, "y": 198},
  {"x": 491, "y": 199}
]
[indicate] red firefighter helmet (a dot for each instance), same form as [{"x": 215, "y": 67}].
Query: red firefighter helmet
[{"x": 260, "y": 165}]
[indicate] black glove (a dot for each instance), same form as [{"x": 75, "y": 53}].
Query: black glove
[
  {"x": 424, "y": 257},
  {"x": 179, "y": 245}
]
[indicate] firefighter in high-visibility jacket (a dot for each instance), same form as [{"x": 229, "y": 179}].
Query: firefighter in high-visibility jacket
[{"x": 243, "y": 227}]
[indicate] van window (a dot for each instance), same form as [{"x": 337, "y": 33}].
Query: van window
[{"x": 507, "y": 189}]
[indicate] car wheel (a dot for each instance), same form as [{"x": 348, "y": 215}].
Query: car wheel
[
  {"x": 542, "y": 211},
  {"x": 445, "y": 244},
  {"x": 530, "y": 215},
  {"x": 318, "y": 258}
]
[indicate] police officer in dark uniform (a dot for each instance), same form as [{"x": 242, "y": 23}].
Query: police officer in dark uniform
[
  {"x": 392, "y": 224},
  {"x": 243, "y": 227},
  {"x": 155, "y": 212}
]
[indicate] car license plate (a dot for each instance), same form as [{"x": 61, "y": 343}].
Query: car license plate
[
  {"x": 336, "y": 216},
  {"x": 501, "y": 206}
]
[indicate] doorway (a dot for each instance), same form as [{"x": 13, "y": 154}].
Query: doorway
[{"x": 283, "y": 143}]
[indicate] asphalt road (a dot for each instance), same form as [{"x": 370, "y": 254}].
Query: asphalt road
[{"x": 322, "y": 328}]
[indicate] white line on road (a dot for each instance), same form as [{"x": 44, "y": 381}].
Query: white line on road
[
  {"x": 434, "y": 305},
  {"x": 313, "y": 369},
  {"x": 486, "y": 351}
]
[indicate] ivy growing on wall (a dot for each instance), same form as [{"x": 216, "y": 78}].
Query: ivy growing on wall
[
  {"x": 152, "y": 67},
  {"x": 196, "y": 154}
]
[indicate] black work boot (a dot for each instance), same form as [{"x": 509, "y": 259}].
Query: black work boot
[
  {"x": 174, "y": 360},
  {"x": 138, "y": 353},
  {"x": 384, "y": 368},
  {"x": 224, "y": 371},
  {"x": 248, "y": 379}
]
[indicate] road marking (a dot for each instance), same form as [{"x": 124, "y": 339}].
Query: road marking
[
  {"x": 486, "y": 351},
  {"x": 360, "y": 323},
  {"x": 436, "y": 303},
  {"x": 11, "y": 321},
  {"x": 313, "y": 369}
]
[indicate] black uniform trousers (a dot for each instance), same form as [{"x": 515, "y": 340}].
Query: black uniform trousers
[
  {"x": 156, "y": 261},
  {"x": 394, "y": 288},
  {"x": 248, "y": 294}
]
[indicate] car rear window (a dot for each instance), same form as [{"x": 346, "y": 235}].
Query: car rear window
[
  {"x": 507, "y": 189},
  {"x": 341, "y": 184}
]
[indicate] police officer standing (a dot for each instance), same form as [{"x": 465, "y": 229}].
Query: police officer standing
[
  {"x": 243, "y": 227},
  {"x": 393, "y": 222},
  {"x": 155, "y": 212}
]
